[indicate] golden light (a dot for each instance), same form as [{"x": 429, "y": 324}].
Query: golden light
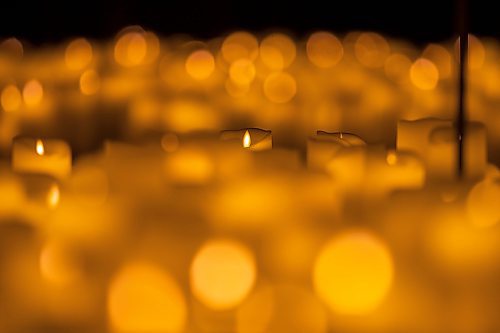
[
  {"x": 353, "y": 273},
  {"x": 39, "y": 148},
  {"x": 240, "y": 45},
  {"x": 32, "y": 93},
  {"x": 440, "y": 57},
  {"x": 236, "y": 90},
  {"x": 200, "y": 64},
  {"x": 424, "y": 74},
  {"x": 89, "y": 82},
  {"x": 53, "y": 196},
  {"x": 13, "y": 47},
  {"x": 189, "y": 166},
  {"x": 324, "y": 50},
  {"x": 57, "y": 266},
  {"x": 371, "y": 49},
  {"x": 170, "y": 142},
  {"x": 397, "y": 67},
  {"x": 247, "y": 141},
  {"x": 277, "y": 51},
  {"x": 242, "y": 71},
  {"x": 482, "y": 203},
  {"x": 144, "y": 298},
  {"x": 280, "y": 87},
  {"x": 477, "y": 53},
  {"x": 222, "y": 274},
  {"x": 391, "y": 158},
  {"x": 130, "y": 49},
  {"x": 78, "y": 54},
  {"x": 11, "y": 98}
]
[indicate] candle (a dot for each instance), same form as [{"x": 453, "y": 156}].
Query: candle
[
  {"x": 254, "y": 139},
  {"x": 324, "y": 146},
  {"x": 49, "y": 157}
]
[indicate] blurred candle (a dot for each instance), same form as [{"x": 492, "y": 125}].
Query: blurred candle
[
  {"x": 254, "y": 139},
  {"x": 323, "y": 146},
  {"x": 50, "y": 157}
]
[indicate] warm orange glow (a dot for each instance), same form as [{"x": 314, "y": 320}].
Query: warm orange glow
[
  {"x": 11, "y": 98},
  {"x": 424, "y": 74},
  {"x": 371, "y": 49},
  {"x": 440, "y": 57},
  {"x": 482, "y": 203},
  {"x": 32, "y": 93},
  {"x": 89, "y": 82},
  {"x": 200, "y": 64},
  {"x": 39, "y": 148},
  {"x": 397, "y": 68},
  {"x": 477, "y": 53},
  {"x": 222, "y": 274},
  {"x": 53, "y": 196},
  {"x": 57, "y": 266},
  {"x": 170, "y": 142},
  {"x": 247, "y": 141},
  {"x": 13, "y": 47},
  {"x": 391, "y": 158},
  {"x": 240, "y": 45},
  {"x": 353, "y": 273},
  {"x": 324, "y": 49},
  {"x": 144, "y": 298},
  {"x": 189, "y": 166},
  {"x": 277, "y": 51},
  {"x": 131, "y": 49},
  {"x": 242, "y": 71},
  {"x": 280, "y": 87},
  {"x": 78, "y": 54}
]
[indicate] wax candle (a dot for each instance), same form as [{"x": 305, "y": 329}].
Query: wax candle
[
  {"x": 254, "y": 139},
  {"x": 323, "y": 146},
  {"x": 49, "y": 156}
]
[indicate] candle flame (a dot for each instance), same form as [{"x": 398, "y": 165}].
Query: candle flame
[
  {"x": 247, "y": 141},
  {"x": 40, "y": 150},
  {"x": 53, "y": 196}
]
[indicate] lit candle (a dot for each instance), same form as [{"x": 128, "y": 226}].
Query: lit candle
[
  {"x": 254, "y": 139},
  {"x": 324, "y": 146},
  {"x": 49, "y": 157}
]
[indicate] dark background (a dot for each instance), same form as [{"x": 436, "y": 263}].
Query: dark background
[{"x": 420, "y": 21}]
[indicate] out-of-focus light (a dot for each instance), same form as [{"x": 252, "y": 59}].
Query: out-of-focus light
[
  {"x": 222, "y": 274},
  {"x": 477, "y": 53},
  {"x": 280, "y": 87},
  {"x": 32, "y": 93},
  {"x": 424, "y": 74},
  {"x": 371, "y": 49},
  {"x": 200, "y": 64},
  {"x": 13, "y": 47},
  {"x": 236, "y": 90},
  {"x": 353, "y": 273},
  {"x": 89, "y": 82},
  {"x": 130, "y": 49},
  {"x": 440, "y": 57},
  {"x": 242, "y": 71},
  {"x": 324, "y": 49},
  {"x": 277, "y": 51},
  {"x": 56, "y": 265},
  {"x": 39, "y": 148},
  {"x": 53, "y": 196},
  {"x": 397, "y": 67},
  {"x": 170, "y": 142},
  {"x": 482, "y": 203},
  {"x": 11, "y": 98},
  {"x": 391, "y": 158},
  {"x": 144, "y": 298},
  {"x": 247, "y": 141},
  {"x": 240, "y": 45},
  {"x": 190, "y": 166},
  {"x": 78, "y": 54}
]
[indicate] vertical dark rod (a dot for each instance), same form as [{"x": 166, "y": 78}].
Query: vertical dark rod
[{"x": 462, "y": 88}]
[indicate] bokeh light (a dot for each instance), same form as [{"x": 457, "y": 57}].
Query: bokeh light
[
  {"x": 200, "y": 64},
  {"x": 353, "y": 273},
  {"x": 145, "y": 298},
  {"x": 277, "y": 51},
  {"x": 11, "y": 98},
  {"x": 280, "y": 87},
  {"x": 222, "y": 274},
  {"x": 424, "y": 74},
  {"x": 90, "y": 82},
  {"x": 324, "y": 49},
  {"x": 32, "y": 93},
  {"x": 78, "y": 54},
  {"x": 240, "y": 45}
]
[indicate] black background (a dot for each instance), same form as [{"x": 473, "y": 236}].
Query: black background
[{"x": 420, "y": 21}]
